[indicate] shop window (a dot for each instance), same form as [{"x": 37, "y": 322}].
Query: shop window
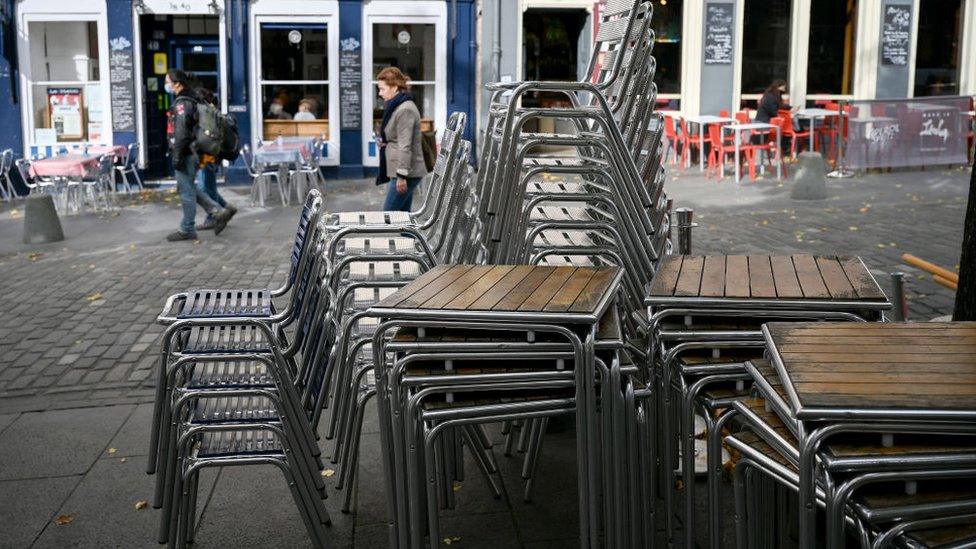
[
  {"x": 411, "y": 48},
  {"x": 937, "y": 54},
  {"x": 66, "y": 87},
  {"x": 196, "y": 24},
  {"x": 667, "y": 23},
  {"x": 765, "y": 43},
  {"x": 550, "y": 53},
  {"x": 833, "y": 27},
  {"x": 294, "y": 80}
]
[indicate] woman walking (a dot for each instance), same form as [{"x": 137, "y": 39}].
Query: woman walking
[{"x": 401, "y": 153}]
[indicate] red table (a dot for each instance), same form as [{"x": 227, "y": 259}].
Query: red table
[
  {"x": 119, "y": 151},
  {"x": 65, "y": 165}
]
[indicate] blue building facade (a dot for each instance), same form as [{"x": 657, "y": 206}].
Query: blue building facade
[{"x": 89, "y": 72}]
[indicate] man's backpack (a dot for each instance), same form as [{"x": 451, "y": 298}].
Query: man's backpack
[{"x": 216, "y": 133}]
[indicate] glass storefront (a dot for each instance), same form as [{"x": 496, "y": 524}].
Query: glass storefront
[
  {"x": 412, "y": 49},
  {"x": 830, "y": 62},
  {"x": 667, "y": 23},
  {"x": 765, "y": 44},
  {"x": 294, "y": 79},
  {"x": 66, "y": 88},
  {"x": 938, "y": 47}
]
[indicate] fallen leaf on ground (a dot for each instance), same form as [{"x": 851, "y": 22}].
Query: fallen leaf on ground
[
  {"x": 122, "y": 460},
  {"x": 34, "y": 256},
  {"x": 456, "y": 487},
  {"x": 141, "y": 504},
  {"x": 452, "y": 539},
  {"x": 94, "y": 297},
  {"x": 112, "y": 451},
  {"x": 328, "y": 472},
  {"x": 853, "y": 228},
  {"x": 765, "y": 222},
  {"x": 64, "y": 519}
]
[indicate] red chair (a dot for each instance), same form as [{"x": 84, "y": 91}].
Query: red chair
[
  {"x": 675, "y": 141},
  {"x": 689, "y": 141},
  {"x": 774, "y": 150},
  {"x": 720, "y": 148},
  {"x": 790, "y": 133},
  {"x": 723, "y": 113},
  {"x": 742, "y": 117}
]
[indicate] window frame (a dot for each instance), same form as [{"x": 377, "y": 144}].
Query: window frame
[
  {"x": 406, "y": 12},
  {"x": 35, "y": 12},
  {"x": 270, "y": 15}
]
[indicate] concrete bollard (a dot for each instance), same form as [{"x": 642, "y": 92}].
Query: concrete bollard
[
  {"x": 41, "y": 222},
  {"x": 810, "y": 179}
]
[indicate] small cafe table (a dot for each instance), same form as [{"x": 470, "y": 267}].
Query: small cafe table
[
  {"x": 74, "y": 166},
  {"x": 737, "y": 130},
  {"x": 871, "y": 378},
  {"x": 702, "y": 121},
  {"x": 558, "y": 300},
  {"x": 736, "y": 294}
]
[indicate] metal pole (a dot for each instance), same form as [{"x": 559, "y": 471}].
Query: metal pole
[
  {"x": 685, "y": 224},
  {"x": 900, "y": 300},
  {"x": 840, "y": 170}
]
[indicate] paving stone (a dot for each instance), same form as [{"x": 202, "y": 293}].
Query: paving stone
[
  {"x": 68, "y": 359},
  {"x": 6, "y": 420},
  {"x": 64, "y": 442},
  {"x": 104, "y": 508},
  {"x": 133, "y": 438},
  {"x": 28, "y": 507}
]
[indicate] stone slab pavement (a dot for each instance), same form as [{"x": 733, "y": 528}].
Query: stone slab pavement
[{"x": 78, "y": 344}]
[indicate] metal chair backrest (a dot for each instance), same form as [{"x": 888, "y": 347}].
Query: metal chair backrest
[
  {"x": 616, "y": 22},
  {"x": 105, "y": 164},
  {"x": 6, "y": 161},
  {"x": 132, "y": 156},
  {"x": 23, "y": 168},
  {"x": 248, "y": 159},
  {"x": 307, "y": 223}
]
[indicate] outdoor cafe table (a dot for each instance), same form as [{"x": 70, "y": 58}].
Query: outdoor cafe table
[
  {"x": 871, "y": 378},
  {"x": 737, "y": 130},
  {"x": 73, "y": 166},
  {"x": 742, "y": 291},
  {"x": 703, "y": 120},
  {"x": 118, "y": 151},
  {"x": 552, "y": 298},
  {"x": 812, "y": 114}
]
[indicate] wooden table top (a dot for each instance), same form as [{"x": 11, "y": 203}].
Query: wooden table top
[
  {"x": 490, "y": 292},
  {"x": 887, "y": 368},
  {"x": 765, "y": 278}
]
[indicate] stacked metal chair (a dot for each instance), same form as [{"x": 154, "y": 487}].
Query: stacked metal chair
[{"x": 911, "y": 490}]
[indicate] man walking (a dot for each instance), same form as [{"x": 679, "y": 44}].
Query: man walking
[{"x": 180, "y": 129}]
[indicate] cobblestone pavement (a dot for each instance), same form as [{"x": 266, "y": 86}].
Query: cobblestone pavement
[{"x": 78, "y": 344}]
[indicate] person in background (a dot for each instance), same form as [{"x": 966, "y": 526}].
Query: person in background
[
  {"x": 207, "y": 175},
  {"x": 180, "y": 129},
  {"x": 401, "y": 153},
  {"x": 771, "y": 102},
  {"x": 277, "y": 109},
  {"x": 306, "y": 110}
]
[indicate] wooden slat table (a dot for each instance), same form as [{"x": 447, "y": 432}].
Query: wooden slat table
[
  {"x": 520, "y": 298},
  {"x": 760, "y": 281},
  {"x": 871, "y": 377}
]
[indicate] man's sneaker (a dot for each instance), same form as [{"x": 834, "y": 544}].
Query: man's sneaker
[
  {"x": 220, "y": 220},
  {"x": 207, "y": 225},
  {"x": 180, "y": 235}
]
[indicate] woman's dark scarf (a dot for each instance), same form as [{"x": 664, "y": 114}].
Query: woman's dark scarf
[{"x": 388, "y": 109}]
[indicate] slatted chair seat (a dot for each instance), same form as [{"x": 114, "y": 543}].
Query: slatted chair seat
[
  {"x": 557, "y": 187},
  {"x": 244, "y": 442},
  {"x": 566, "y": 238},
  {"x": 563, "y": 212},
  {"x": 903, "y": 444},
  {"x": 563, "y": 161},
  {"x": 364, "y": 297},
  {"x": 460, "y": 400},
  {"x": 567, "y": 261},
  {"x": 382, "y": 271},
  {"x": 254, "y": 302},
  {"x": 760, "y": 446},
  {"x": 225, "y": 339},
  {"x": 370, "y": 218},
  {"x": 365, "y": 326},
  {"x": 888, "y": 498},
  {"x": 234, "y": 408},
  {"x": 244, "y": 373},
  {"x": 378, "y": 244}
]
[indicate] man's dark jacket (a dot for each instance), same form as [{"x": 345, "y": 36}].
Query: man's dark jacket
[{"x": 182, "y": 125}]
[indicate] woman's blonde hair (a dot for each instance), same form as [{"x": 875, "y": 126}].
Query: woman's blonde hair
[{"x": 393, "y": 76}]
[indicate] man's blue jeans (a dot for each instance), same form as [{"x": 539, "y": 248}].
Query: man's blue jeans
[
  {"x": 396, "y": 202},
  {"x": 186, "y": 175},
  {"x": 207, "y": 185}
]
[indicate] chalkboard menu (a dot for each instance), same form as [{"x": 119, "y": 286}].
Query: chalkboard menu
[
  {"x": 121, "y": 86},
  {"x": 350, "y": 84},
  {"x": 719, "y": 23},
  {"x": 896, "y": 33}
]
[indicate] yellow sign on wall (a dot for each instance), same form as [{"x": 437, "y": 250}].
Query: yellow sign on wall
[{"x": 160, "y": 63}]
